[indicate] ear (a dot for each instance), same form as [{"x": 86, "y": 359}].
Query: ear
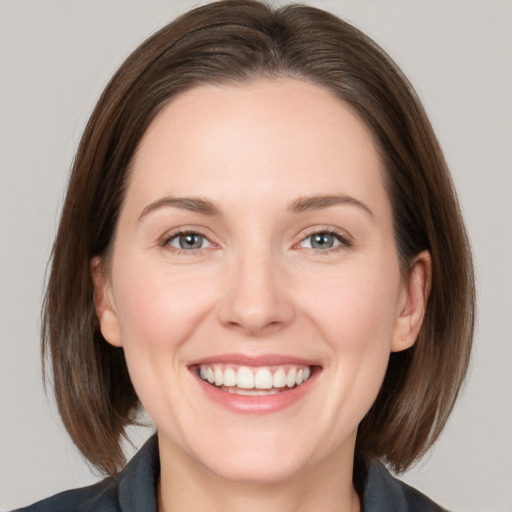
[
  {"x": 104, "y": 304},
  {"x": 413, "y": 303}
]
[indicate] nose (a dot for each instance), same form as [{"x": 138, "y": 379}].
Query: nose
[{"x": 257, "y": 300}]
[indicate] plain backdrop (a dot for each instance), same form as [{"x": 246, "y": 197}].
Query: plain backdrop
[{"x": 55, "y": 58}]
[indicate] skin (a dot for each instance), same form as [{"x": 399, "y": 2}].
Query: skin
[{"x": 256, "y": 286}]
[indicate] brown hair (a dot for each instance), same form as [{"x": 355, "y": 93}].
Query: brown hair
[{"x": 236, "y": 41}]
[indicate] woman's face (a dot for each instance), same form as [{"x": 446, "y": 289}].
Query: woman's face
[{"x": 255, "y": 249}]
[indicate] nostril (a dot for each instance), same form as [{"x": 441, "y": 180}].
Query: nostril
[
  {"x": 255, "y": 327},
  {"x": 255, "y": 300}
]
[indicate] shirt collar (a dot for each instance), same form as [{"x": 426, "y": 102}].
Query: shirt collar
[{"x": 382, "y": 492}]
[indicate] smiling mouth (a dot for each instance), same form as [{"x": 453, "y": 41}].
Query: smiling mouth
[{"x": 254, "y": 381}]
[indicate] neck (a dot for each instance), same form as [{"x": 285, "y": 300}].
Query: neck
[{"x": 185, "y": 485}]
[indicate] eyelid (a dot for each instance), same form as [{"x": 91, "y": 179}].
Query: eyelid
[
  {"x": 164, "y": 240},
  {"x": 345, "y": 239},
  {"x": 177, "y": 238}
]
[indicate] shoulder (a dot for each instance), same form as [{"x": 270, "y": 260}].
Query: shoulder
[
  {"x": 100, "y": 497},
  {"x": 385, "y": 493},
  {"x": 132, "y": 490}
]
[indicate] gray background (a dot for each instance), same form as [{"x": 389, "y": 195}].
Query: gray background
[{"x": 55, "y": 58}]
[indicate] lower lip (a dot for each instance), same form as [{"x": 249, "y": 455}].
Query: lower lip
[{"x": 259, "y": 404}]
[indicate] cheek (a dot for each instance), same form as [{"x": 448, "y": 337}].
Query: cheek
[
  {"x": 355, "y": 312},
  {"x": 159, "y": 311},
  {"x": 357, "y": 306},
  {"x": 146, "y": 313}
]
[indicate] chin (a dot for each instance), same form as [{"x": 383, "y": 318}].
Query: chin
[
  {"x": 256, "y": 469},
  {"x": 261, "y": 456}
]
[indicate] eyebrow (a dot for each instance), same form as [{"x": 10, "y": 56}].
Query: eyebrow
[
  {"x": 303, "y": 204},
  {"x": 193, "y": 204},
  {"x": 208, "y": 207}
]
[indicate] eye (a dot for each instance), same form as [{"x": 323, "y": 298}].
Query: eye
[
  {"x": 188, "y": 241},
  {"x": 324, "y": 240}
]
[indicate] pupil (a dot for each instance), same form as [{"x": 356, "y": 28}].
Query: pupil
[
  {"x": 322, "y": 241},
  {"x": 190, "y": 241}
]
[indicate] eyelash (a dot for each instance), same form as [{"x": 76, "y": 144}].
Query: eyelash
[
  {"x": 168, "y": 238},
  {"x": 344, "y": 240}
]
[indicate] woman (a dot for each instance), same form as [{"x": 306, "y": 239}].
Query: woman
[{"x": 267, "y": 254}]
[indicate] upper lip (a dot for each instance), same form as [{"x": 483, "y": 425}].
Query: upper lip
[{"x": 254, "y": 360}]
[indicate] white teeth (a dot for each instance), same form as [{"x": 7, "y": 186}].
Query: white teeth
[
  {"x": 247, "y": 378},
  {"x": 279, "y": 380},
  {"x": 244, "y": 378},
  {"x": 252, "y": 392},
  {"x": 229, "y": 377},
  {"x": 290, "y": 378},
  {"x": 263, "y": 379},
  {"x": 219, "y": 376}
]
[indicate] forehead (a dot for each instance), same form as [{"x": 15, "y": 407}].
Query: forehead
[{"x": 269, "y": 137}]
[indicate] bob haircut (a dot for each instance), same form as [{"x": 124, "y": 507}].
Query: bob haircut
[{"x": 235, "y": 42}]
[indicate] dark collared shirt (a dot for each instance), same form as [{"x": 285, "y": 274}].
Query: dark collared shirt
[{"x": 134, "y": 490}]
